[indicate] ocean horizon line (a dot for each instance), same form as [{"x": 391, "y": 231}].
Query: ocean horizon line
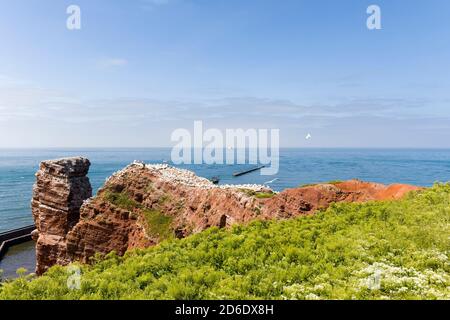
[{"x": 281, "y": 148}]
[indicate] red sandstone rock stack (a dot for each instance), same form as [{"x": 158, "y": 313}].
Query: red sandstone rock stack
[
  {"x": 119, "y": 218},
  {"x": 60, "y": 189}
]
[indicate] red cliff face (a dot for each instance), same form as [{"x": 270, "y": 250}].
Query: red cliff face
[
  {"x": 308, "y": 199},
  {"x": 140, "y": 206},
  {"x": 145, "y": 204},
  {"x": 60, "y": 189}
]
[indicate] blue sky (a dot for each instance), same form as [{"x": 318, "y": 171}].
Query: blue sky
[{"x": 139, "y": 69}]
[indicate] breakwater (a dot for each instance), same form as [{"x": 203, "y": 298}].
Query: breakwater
[
  {"x": 241, "y": 173},
  {"x": 14, "y": 237}
]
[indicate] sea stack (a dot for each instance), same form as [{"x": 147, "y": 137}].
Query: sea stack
[{"x": 61, "y": 187}]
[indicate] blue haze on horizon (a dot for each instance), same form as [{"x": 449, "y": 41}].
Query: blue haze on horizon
[{"x": 139, "y": 69}]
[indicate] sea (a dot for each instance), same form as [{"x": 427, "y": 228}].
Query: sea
[{"x": 422, "y": 167}]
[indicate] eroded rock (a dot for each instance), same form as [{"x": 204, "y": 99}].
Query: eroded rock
[
  {"x": 60, "y": 189},
  {"x": 309, "y": 199}
]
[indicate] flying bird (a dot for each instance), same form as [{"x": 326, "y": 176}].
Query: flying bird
[{"x": 271, "y": 181}]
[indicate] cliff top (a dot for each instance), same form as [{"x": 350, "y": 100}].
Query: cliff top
[{"x": 67, "y": 167}]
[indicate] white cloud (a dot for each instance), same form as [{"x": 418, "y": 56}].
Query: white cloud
[
  {"x": 31, "y": 116},
  {"x": 26, "y": 101}
]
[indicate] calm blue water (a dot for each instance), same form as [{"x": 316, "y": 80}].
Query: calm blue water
[{"x": 297, "y": 166}]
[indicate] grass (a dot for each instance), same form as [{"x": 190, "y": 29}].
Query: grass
[
  {"x": 158, "y": 224},
  {"x": 264, "y": 195},
  {"x": 376, "y": 250},
  {"x": 334, "y": 182},
  {"x": 257, "y": 194},
  {"x": 315, "y": 184},
  {"x": 121, "y": 200}
]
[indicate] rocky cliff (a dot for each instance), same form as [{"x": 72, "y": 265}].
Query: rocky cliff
[
  {"x": 142, "y": 205},
  {"x": 60, "y": 189},
  {"x": 308, "y": 199}
]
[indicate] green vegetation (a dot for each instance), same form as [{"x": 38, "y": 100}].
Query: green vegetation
[
  {"x": 377, "y": 250},
  {"x": 158, "y": 224},
  {"x": 257, "y": 194},
  {"x": 334, "y": 182},
  {"x": 121, "y": 200},
  {"x": 315, "y": 184},
  {"x": 264, "y": 195}
]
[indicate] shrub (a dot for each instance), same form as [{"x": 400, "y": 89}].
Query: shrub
[{"x": 376, "y": 250}]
